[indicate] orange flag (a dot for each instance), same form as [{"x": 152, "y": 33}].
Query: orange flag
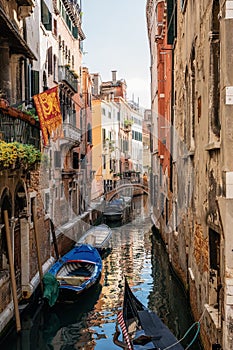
[{"x": 48, "y": 109}]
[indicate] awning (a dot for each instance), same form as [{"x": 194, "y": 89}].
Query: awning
[{"x": 9, "y": 32}]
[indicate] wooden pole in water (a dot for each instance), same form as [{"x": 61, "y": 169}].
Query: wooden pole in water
[
  {"x": 12, "y": 271},
  {"x": 37, "y": 245},
  {"x": 54, "y": 239}
]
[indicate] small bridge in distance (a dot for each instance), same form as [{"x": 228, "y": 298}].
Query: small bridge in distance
[{"x": 135, "y": 189}]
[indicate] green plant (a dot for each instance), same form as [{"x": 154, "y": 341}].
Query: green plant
[
  {"x": 128, "y": 122},
  {"x": 17, "y": 153},
  {"x": 31, "y": 112}
]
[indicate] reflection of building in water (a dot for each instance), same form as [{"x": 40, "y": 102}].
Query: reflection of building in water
[
  {"x": 75, "y": 334},
  {"x": 166, "y": 297},
  {"x": 126, "y": 259}
]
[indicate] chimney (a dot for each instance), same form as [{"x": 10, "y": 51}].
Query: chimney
[{"x": 114, "y": 76}]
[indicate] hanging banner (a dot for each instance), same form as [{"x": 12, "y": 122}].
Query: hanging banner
[{"x": 48, "y": 109}]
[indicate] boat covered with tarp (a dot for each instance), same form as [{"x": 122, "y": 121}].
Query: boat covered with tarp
[{"x": 141, "y": 327}]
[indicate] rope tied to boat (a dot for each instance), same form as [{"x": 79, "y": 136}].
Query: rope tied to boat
[{"x": 198, "y": 324}]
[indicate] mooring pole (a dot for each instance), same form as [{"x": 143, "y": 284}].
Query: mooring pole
[
  {"x": 37, "y": 245},
  {"x": 12, "y": 271},
  {"x": 54, "y": 239}
]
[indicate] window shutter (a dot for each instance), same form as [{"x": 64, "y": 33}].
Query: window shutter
[
  {"x": 34, "y": 82},
  {"x": 57, "y": 159},
  {"x": 50, "y": 60}
]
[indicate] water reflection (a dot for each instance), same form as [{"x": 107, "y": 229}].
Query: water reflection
[
  {"x": 64, "y": 322},
  {"x": 89, "y": 324},
  {"x": 167, "y": 297}
]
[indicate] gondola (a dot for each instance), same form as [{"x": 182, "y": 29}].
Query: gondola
[
  {"x": 142, "y": 329},
  {"x": 72, "y": 274}
]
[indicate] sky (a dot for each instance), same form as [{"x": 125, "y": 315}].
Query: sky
[{"x": 116, "y": 39}]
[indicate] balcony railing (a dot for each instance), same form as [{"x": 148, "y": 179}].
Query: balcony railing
[
  {"x": 71, "y": 133},
  {"x": 15, "y": 127},
  {"x": 66, "y": 75}
]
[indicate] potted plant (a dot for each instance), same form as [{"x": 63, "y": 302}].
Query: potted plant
[{"x": 128, "y": 123}]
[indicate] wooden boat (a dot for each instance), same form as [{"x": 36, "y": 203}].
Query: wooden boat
[
  {"x": 97, "y": 236},
  {"x": 142, "y": 328},
  {"x": 74, "y": 273},
  {"x": 114, "y": 210}
]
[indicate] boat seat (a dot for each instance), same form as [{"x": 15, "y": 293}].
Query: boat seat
[{"x": 72, "y": 280}]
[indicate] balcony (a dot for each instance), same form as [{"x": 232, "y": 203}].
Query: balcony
[
  {"x": 10, "y": 32},
  {"x": 18, "y": 126},
  {"x": 67, "y": 76},
  {"x": 71, "y": 134}
]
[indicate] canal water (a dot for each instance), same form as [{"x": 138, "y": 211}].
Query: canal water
[{"x": 89, "y": 324}]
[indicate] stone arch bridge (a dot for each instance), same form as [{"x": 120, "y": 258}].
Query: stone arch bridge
[{"x": 133, "y": 189}]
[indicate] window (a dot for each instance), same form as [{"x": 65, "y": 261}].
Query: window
[
  {"x": 125, "y": 145},
  {"x": 89, "y": 133},
  {"x": 214, "y": 250},
  {"x": 75, "y": 32},
  {"x": 55, "y": 27},
  {"x": 83, "y": 161},
  {"x": 47, "y": 202},
  {"x": 55, "y": 68},
  {"x": 171, "y": 21},
  {"x": 62, "y": 190},
  {"x": 34, "y": 82},
  {"x": 46, "y": 16},
  {"x": 103, "y": 135},
  {"x": 45, "y": 85},
  {"x": 57, "y": 159},
  {"x": 75, "y": 160},
  {"x": 50, "y": 60},
  {"x": 214, "y": 102},
  {"x": 32, "y": 204},
  {"x": 104, "y": 162}
]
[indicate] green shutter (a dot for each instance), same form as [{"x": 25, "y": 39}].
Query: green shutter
[
  {"x": 35, "y": 82},
  {"x": 171, "y": 21}
]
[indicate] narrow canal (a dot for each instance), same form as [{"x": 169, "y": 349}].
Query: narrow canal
[{"x": 90, "y": 323}]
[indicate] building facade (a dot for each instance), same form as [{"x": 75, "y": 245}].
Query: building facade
[
  {"x": 58, "y": 48},
  {"x": 21, "y": 204},
  {"x": 117, "y": 134},
  {"x": 200, "y": 201},
  {"x": 42, "y": 187}
]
